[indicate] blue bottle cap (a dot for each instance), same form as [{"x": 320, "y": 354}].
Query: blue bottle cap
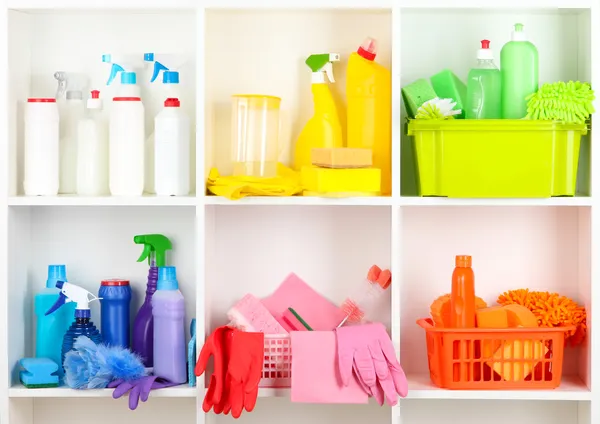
[
  {"x": 148, "y": 57},
  {"x": 56, "y": 273},
  {"x": 83, "y": 313},
  {"x": 128, "y": 78},
  {"x": 167, "y": 278},
  {"x": 170, "y": 77}
]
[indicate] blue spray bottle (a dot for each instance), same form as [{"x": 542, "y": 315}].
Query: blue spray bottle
[
  {"x": 170, "y": 89},
  {"x": 83, "y": 326},
  {"x": 51, "y": 329}
]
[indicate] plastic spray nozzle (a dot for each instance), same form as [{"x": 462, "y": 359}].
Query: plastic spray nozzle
[
  {"x": 155, "y": 248},
  {"x": 170, "y": 75},
  {"x": 323, "y": 63},
  {"x": 72, "y": 293},
  {"x": 519, "y": 27},
  {"x": 71, "y": 84},
  {"x": 124, "y": 64}
]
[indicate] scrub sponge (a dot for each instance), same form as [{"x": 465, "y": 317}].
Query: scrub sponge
[
  {"x": 448, "y": 86},
  {"x": 415, "y": 94}
]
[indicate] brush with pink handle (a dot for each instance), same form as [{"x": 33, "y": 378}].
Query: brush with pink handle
[{"x": 362, "y": 300}]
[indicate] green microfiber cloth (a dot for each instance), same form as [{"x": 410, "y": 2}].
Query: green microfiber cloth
[
  {"x": 448, "y": 86},
  {"x": 415, "y": 94},
  {"x": 40, "y": 386},
  {"x": 570, "y": 102}
]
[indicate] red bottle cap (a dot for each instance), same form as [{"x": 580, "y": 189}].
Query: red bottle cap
[
  {"x": 368, "y": 49},
  {"x": 485, "y": 44},
  {"x": 172, "y": 102},
  {"x": 41, "y": 100},
  {"x": 114, "y": 282},
  {"x": 95, "y": 94}
]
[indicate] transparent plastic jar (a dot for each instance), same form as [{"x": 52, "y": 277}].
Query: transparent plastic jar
[{"x": 255, "y": 135}]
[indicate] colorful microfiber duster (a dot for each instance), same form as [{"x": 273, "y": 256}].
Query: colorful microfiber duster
[
  {"x": 437, "y": 109},
  {"x": 551, "y": 310},
  {"x": 92, "y": 366},
  {"x": 570, "y": 102}
]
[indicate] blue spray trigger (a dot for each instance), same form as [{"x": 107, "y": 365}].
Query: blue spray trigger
[
  {"x": 62, "y": 299},
  {"x": 157, "y": 68},
  {"x": 148, "y": 57},
  {"x": 106, "y": 58},
  {"x": 114, "y": 70}
]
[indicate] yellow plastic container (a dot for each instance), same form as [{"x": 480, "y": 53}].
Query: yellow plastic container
[
  {"x": 496, "y": 158},
  {"x": 255, "y": 135},
  {"x": 369, "y": 115}
]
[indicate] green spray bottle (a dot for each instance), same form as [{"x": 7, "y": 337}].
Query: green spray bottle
[
  {"x": 519, "y": 73},
  {"x": 155, "y": 248}
]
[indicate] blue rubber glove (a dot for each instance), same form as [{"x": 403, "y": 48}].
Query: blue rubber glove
[{"x": 138, "y": 389}]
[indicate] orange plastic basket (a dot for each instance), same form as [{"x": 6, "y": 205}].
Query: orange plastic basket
[{"x": 494, "y": 359}]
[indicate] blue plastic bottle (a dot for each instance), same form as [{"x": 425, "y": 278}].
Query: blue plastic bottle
[
  {"x": 115, "y": 299},
  {"x": 52, "y": 328},
  {"x": 83, "y": 326}
]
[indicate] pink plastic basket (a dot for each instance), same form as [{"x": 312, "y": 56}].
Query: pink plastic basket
[{"x": 277, "y": 366}]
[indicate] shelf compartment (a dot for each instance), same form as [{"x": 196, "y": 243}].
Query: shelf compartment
[
  {"x": 36, "y": 50},
  {"x": 95, "y": 244},
  {"x": 545, "y": 249},
  {"x": 236, "y": 40},
  {"x": 73, "y": 200},
  {"x": 562, "y": 38}
]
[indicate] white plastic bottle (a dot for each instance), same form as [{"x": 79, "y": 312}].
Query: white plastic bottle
[
  {"x": 71, "y": 112},
  {"x": 172, "y": 150},
  {"x": 41, "y": 155},
  {"x": 126, "y": 140},
  {"x": 92, "y": 150}
]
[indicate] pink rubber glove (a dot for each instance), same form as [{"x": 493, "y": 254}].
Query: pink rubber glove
[{"x": 368, "y": 351}]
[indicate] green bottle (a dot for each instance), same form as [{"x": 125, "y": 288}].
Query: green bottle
[
  {"x": 519, "y": 70},
  {"x": 483, "y": 87}
]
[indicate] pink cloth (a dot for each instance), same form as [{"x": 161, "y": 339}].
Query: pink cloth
[
  {"x": 316, "y": 310},
  {"x": 315, "y": 377}
]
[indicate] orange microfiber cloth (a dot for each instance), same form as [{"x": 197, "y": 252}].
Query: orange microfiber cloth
[{"x": 551, "y": 310}]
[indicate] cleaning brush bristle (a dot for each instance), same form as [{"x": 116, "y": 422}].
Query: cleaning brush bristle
[{"x": 570, "y": 102}]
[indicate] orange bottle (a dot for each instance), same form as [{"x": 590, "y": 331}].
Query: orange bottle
[{"x": 462, "y": 306}]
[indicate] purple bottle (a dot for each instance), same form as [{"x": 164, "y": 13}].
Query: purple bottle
[
  {"x": 142, "y": 339},
  {"x": 168, "y": 308}
]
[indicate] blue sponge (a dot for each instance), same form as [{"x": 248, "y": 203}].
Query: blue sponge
[{"x": 38, "y": 373}]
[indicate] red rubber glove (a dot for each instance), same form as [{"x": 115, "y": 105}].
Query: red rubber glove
[
  {"x": 216, "y": 345},
  {"x": 244, "y": 370}
]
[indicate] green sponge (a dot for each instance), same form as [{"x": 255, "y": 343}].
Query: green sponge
[
  {"x": 415, "y": 94},
  {"x": 40, "y": 386},
  {"x": 448, "y": 86}
]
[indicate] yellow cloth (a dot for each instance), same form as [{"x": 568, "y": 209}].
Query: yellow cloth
[{"x": 286, "y": 183}]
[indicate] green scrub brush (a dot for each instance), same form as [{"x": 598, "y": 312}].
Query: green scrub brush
[
  {"x": 570, "y": 102},
  {"x": 437, "y": 109}
]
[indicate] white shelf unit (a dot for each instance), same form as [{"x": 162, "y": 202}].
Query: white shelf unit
[{"x": 224, "y": 249}]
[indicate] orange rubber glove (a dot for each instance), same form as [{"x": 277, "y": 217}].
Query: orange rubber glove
[
  {"x": 218, "y": 346},
  {"x": 244, "y": 370}
]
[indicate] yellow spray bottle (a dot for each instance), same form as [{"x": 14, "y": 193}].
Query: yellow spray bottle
[{"x": 323, "y": 129}]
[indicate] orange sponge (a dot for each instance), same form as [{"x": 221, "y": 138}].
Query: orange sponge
[
  {"x": 520, "y": 316},
  {"x": 493, "y": 317},
  {"x": 440, "y": 310}
]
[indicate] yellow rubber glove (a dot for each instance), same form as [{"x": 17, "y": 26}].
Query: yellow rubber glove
[{"x": 286, "y": 183}]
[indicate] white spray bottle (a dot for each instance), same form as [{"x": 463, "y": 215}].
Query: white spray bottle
[
  {"x": 69, "y": 96},
  {"x": 92, "y": 150},
  {"x": 168, "y": 148},
  {"x": 126, "y": 129},
  {"x": 82, "y": 326}
]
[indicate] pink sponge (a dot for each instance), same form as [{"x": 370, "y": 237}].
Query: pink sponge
[{"x": 250, "y": 315}]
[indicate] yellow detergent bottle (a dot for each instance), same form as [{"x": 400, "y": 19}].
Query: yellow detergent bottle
[
  {"x": 369, "y": 98},
  {"x": 324, "y": 128}
]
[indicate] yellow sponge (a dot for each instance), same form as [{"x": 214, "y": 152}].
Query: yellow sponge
[
  {"x": 342, "y": 157},
  {"x": 333, "y": 182}
]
